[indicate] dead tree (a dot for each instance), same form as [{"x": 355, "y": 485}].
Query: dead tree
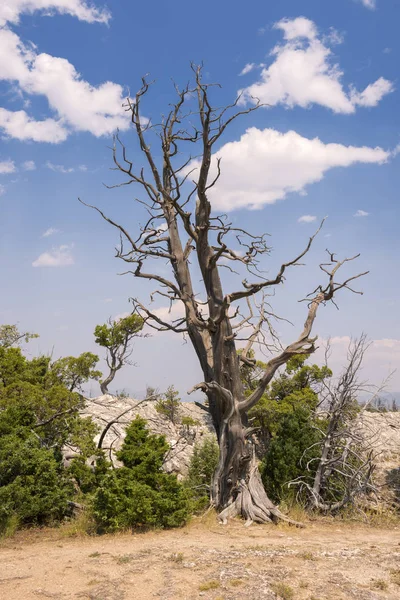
[
  {"x": 182, "y": 231},
  {"x": 346, "y": 462}
]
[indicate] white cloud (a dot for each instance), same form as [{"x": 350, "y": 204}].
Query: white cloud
[
  {"x": 334, "y": 37},
  {"x": 121, "y": 316},
  {"x": 303, "y": 73},
  {"x": 15, "y": 56},
  {"x": 371, "y": 4},
  {"x": 20, "y": 126},
  {"x": 59, "y": 168},
  {"x": 247, "y": 68},
  {"x": 50, "y": 231},
  {"x": 57, "y": 257},
  {"x": 7, "y": 166},
  {"x": 361, "y": 213},
  {"x": 107, "y": 300},
  {"x": 10, "y": 10},
  {"x": 373, "y": 93},
  {"x": 297, "y": 28},
  {"x": 62, "y": 169},
  {"x": 29, "y": 165},
  {"x": 2, "y": 190},
  {"x": 170, "y": 313},
  {"x": 84, "y": 107},
  {"x": 307, "y": 219},
  {"x": 381, "y": 358},
  {"x": 78, "y": 105},
  {"x": 263, "y": 166}
]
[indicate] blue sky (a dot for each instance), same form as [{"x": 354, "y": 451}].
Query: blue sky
[{"x": 327, "y": 145}]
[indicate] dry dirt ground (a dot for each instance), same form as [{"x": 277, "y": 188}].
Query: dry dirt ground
[{"x": 329, "y": 561}]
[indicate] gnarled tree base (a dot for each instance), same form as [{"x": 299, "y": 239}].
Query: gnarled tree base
[{"x": 253, "y": 504}]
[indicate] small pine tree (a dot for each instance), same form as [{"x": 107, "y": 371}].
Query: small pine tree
[
  {"x": 140, "y": 493},
  {"x": 169, "y": 405},
  {"x": 201, "y": 470}
]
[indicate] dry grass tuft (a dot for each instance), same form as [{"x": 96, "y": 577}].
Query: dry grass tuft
[
  {"x": 236, "y": 582},
  {"x": 80, "y": 526},
  {"x": 283, "y": 590},
  {"x": 379, "y": 584},
  {"x": 176, "y": 557},
  {"x": 209, "y": 585},
  {"x": 124, "y": 559},
  {"x": 395, "y": 576}
]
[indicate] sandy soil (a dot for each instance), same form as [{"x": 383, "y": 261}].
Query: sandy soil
[{"x": 321, "y": 562}]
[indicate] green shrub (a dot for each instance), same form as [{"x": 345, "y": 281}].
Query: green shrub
[
  {"x": 189, "y": 422},
  {"x": 287, "y": 424},
  {"x": 168, "y": 405},
  {"x": 201, "y": 470},
  {"x": 140, "y": 493},
  {"x": 39, "y": 415},
  {"x": 288, "y": 454},
  {"x": 33, "y": 489}
]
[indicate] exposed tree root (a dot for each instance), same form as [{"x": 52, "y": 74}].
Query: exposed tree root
[{"x": 253, "y": 504}]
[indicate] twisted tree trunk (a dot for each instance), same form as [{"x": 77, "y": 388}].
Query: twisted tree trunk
[
  {"x": 237, "y": 488},
  {"x": 106, "y": 382}
]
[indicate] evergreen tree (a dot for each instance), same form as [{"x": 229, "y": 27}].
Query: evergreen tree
[
  {"x": 289, "y": 452},
  {"x": 288, "y": 425},
  {"x": 202, "y": 466},
  {"x": 169, "y": 404},
  {"x": 140, "y": 493}
]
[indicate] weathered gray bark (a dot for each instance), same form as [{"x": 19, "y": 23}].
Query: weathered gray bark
[
  {"x": 237, "y": 488},
  {"x": 106, "y": 382}
]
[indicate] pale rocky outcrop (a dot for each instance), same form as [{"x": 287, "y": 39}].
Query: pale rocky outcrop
[
  {"x": 382, "y": 429},
  {"x": 181, "y": 438}
]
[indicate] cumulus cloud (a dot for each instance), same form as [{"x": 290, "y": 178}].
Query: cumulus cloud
[
  {"x": 10, "y": 10},
  {"x": 50, "y": 231},
  {"x": 77, "y": 104},
  {"x": 361, "y": 213},
  {"x": 20, "y": 126},
  {"x": 263, "y": 166},
  {"x": 84, "y": 107},
  {"x": 307, "y": 219},
  {"x": 373, "y": 93},
  {"x": 29, "y": 165},
  {"x": 57, "y": 257},
  {"x": 7, "y": 166},
  {"x": 2, "y": 190},
  {"x": 303, "y": 73}
]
